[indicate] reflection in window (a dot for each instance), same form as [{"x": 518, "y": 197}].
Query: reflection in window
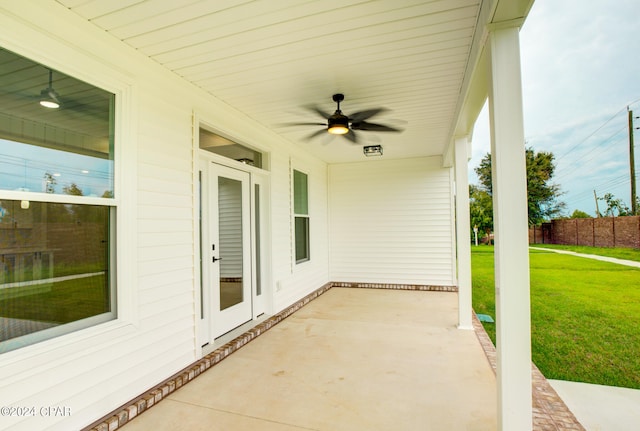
[
  {"x": 51, "y": 150},
  {"x": 56, "y": 266},
  {"x": 53, "y": 266},
  {"x": 30, "y": 168},
  {"x": 231, "y": 241}
]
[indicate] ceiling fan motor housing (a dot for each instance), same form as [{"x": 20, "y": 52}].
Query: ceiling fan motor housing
[
  {"x": 338, "y": 119},
  {"x": 338, "y": 123}
]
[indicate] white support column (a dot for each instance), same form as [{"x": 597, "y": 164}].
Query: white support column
[
  {"x": 463, "y": 233},
  {"x": 513, "y": 330}
]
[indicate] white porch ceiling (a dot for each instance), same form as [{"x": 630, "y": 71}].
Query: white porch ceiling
[{"x": 271, "y": 58}]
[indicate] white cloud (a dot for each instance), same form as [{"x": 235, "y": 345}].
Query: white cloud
[
  {"x": 579, "y": 69},
  {"x": 577, "y": 59}
]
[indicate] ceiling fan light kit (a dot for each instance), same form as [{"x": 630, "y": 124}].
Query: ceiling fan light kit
[
  {"x": 48, "y": 96},
  {"x": 338, "y": 126},
  {"x": 47, "y": 100}
]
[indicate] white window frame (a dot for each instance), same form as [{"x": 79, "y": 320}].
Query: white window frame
[
  {"x": 296, "y": 215},
  {"x": 92, "y": 70}
]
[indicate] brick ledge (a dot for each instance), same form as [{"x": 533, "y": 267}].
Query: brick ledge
[{"x": 550, "y": 413}]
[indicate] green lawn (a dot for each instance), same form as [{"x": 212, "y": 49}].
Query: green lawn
[
  {"x": 585, "y": 316},
  {"x": 61, "y": 302}
]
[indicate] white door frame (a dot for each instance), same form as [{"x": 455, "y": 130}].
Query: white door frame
[
  {"x": 261, "y": 304},
  {"x": 260, "y": 239}
]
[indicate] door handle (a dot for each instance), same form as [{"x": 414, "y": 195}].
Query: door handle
[{"x": 215, "y": 259}]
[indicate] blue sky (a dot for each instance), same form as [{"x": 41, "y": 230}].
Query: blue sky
[
  {"x": 580, "y": 71},
  {"x": 23, "y": 166}
]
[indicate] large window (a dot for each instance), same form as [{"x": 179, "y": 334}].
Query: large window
[
  {"x": 57, "y": 203},
  {"x": 301, "y": 215}
]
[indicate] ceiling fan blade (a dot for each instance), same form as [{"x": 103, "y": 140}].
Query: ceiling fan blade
[
  {"x": 363, "y": 115},
  {"x": 318, "y": 111},
  {"x": 300, "y": 124},
  {"x": 351, "y": 135},
  {"x": 314, "y": 134},
  {"x": 372, "y": 127}
]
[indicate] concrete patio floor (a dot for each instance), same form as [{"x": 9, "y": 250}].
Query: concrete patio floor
[
  {"x": 352, "y": 359},
  {"x": 348, "y": 356}
]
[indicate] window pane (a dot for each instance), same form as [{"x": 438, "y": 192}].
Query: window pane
[
  {"x": 63, "y": 150},
  {"x": 302, "y": 239},
  {"x": 258, "y": 236},
  {"x": 231, "y": 242},
  {"x": 54, "y": 269},
  {"x": 29, "y": 168},
  {"x": 300, "y": 198},
  {"x": 222, "y": 146}
]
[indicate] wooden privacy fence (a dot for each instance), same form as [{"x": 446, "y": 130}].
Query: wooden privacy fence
[{"x": 594, "y": 232}]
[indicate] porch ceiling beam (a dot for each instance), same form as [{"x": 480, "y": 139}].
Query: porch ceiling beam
[
  {"x": 493, "y": 14},
  {"x": 513, "y": 327}
]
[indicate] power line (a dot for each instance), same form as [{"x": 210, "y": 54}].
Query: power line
[
  {"x": 590, "y": 135},
  {"x": 588, "y": 194},
  {"x": 597, "y": 130},
  {"x": 57, "y": 167},
  {"x": 601, "y": 148}
]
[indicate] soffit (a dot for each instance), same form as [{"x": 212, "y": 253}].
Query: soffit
[{"x": 269, "y": 59}]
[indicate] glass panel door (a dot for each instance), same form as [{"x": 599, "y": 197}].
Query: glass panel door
[{"x": 226, "y": 250}]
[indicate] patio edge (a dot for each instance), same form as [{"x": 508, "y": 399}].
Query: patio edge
[{"x": 550, "y": 413}]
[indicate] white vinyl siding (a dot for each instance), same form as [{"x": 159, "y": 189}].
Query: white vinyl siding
[
  {"x": 95, "y": 370},
  {"x": 98, "y": 369},
  {"x": 390, "y": 222}
]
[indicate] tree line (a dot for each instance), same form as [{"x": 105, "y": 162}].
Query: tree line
[{"x": 543, "y": 196}]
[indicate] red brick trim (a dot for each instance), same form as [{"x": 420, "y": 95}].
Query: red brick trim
[{"x": 550, "y": 413}]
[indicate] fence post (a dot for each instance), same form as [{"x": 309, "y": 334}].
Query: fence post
[{"x": 613, "y": 228}]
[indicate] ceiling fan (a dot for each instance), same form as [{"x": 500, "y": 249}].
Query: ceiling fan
[
  {"x": 341, "y": 124},
  {"x": 49, "y": 98},
  {"x": 86, "y": 105}
]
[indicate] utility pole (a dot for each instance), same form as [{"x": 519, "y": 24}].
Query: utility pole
[
  {"x": 632, "y": 165},
  {"x": 595, "y": 196}
]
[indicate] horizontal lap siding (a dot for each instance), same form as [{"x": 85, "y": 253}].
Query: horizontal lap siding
[
  {"x": 390, "y": 222},
  {"x": 165, "y": 237},
  {"x": 293, "y": 281},
  {"x": 281, "y": 234},
  {"x": 96, "y": 370}
]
